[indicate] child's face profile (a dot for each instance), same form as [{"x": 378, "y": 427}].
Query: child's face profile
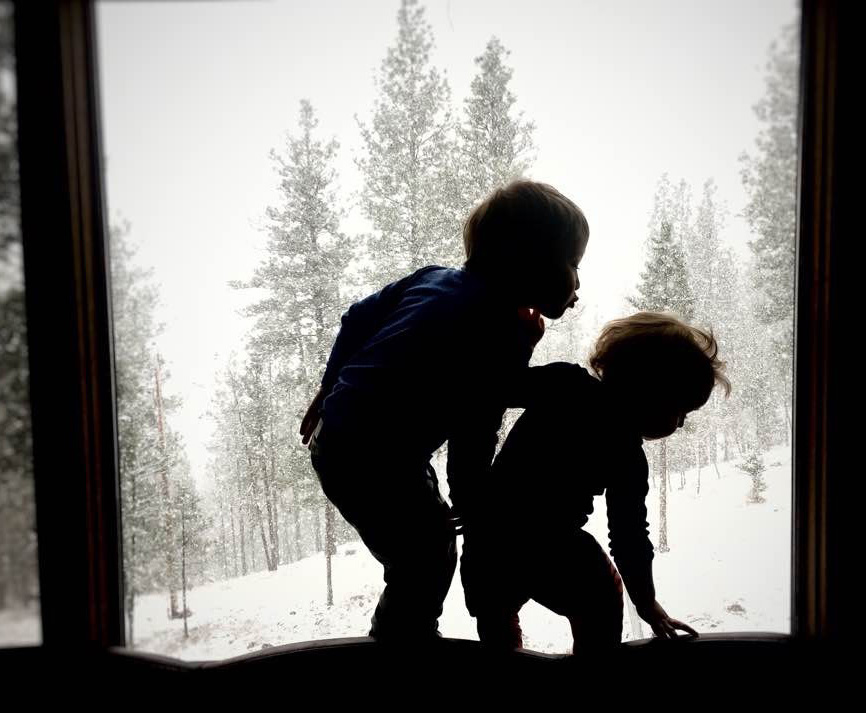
[
  {"x": 659, "y": 415},
  {"x": 662, "y": 423},
  {"x": 559, "y": 287}
]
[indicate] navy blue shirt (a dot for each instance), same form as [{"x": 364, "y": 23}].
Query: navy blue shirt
[
  {"x": 570, "y": 445},
  {"x": 426, "y": 360}
]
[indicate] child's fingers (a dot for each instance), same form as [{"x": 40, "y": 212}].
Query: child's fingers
[{"x": 684, "y": 627}]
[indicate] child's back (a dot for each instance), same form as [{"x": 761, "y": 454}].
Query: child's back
[
  {"x": 413, "y": 361},
  {"x": 566, "y": 448},
  {"x": 580, "y": 437},
  {"x": 429, "y": 359}
]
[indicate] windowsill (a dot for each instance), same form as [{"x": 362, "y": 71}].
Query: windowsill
[{"x": 446, "y": 647}]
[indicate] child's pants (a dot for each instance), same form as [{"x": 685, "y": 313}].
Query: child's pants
[
  {"x": 396, "y": 507},
  {"x": 568, "y": 573}
]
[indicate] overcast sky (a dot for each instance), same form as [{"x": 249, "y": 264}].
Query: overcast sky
[{"x": 196, "y": 94}]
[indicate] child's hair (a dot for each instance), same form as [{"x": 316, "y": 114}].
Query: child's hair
[
  {"x": 523, "y": 222},
  {"x": 658, "y": 346}
]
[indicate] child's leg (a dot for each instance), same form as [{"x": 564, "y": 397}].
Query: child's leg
[
  {"x": 492, "y": 589},
  {"x": 500, "y": 629},
  {"x": 401, "y": 517},
  {"x": 575, "y": 578},
  {"x": 416, "y": 545}
]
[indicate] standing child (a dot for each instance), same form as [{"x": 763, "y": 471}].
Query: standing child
[
  {"x": 579, "y": 437},
  {"x": 427, "y": 360}
]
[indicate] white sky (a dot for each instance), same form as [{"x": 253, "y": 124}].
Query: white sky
[{"x": 196, "y": 94}]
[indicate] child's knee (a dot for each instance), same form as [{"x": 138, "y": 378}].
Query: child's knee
[{"x": 500, "y": 629}]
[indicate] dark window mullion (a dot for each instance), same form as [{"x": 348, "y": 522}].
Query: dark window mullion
[{"x": 69, "y": 326}]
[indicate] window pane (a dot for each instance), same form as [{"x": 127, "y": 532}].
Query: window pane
[
  {"x": 19, "y": 577},
  {"x": 257, "y": 187}
]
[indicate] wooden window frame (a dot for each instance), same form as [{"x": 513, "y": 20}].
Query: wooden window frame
[{"x": 70, "y": 328}]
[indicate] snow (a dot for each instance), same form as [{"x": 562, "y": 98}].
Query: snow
[
  {"x": 728, "y": 570},
  {"x": 20, "y": 627}
]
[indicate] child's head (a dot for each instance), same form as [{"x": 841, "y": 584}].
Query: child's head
[
  {"x": 529, "y": 239},
  {"x": 660, "y": 369}
]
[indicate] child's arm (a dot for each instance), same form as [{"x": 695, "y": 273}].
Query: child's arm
[
  {"x": 631, "y": 547},
  {"x": 470, "y": 453},
  {"x": 663, "y": 626},
  {"x": 472, "y": 442},
  {"x": 360, "y": 322}
]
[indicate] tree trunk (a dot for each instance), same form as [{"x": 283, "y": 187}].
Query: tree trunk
[
  {"x": 129, "y": 571},
  {"x": 242, "y": 531},
  {"x": 714, "y": 452},
  {"x": 698, "y": 460},
  {"x": 183, "y": 570},
  {"x": 270, "y": 563},
  {"x": 223, "y": 539},
  {"x": 168, "y": 521},
  {"x": 330, "y": 549},
  {"x": 296, "y": 517},
  {"x": 317, "y": 530},
  {"x": 130, "y": 612},
  {"x": 663, "y": 498},
  {"x": 253, "y": 567},
  {"x": 234, "y": 537},
  {"x": 271, "y": 489}
]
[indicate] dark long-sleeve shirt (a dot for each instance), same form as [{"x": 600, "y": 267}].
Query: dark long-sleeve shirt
[
  {"x": 426, "y": 360},
  {"x": 570, "y": 445}
]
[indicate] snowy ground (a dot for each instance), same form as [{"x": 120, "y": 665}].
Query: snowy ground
[
  {"x": 728, "y": 570},
  {"x": 20, "y": 627}
]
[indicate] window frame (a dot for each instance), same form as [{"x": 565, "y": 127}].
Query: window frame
[{"x": 71, "y": 344}]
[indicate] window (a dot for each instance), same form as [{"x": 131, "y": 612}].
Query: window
[
  {"x": 647, "y": 122},
  {"x": 19, "y": 582}
]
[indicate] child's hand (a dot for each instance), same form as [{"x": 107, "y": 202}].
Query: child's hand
[
  {"x": 662, "y": 625},
  {"x": 311, "y": 418},
  {"x": 532, "y": 323}
]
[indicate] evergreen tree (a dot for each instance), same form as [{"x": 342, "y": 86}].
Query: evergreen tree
[
  {"x": 18, "y": 566},
  {"x": 295, "y": 322},
  {"x": 753, "y": 466},
  {"x": 664, "y": 283},
  {"x": 770, "y": 178},
  {"x": 149, "y": 450},
  {"x": 495, "y": 145},
  {"x": 10, "y": 238},
  {"x": 664, "y": 286},
  {"x": 712, "y": 274},
  {"x": 411, "y": 193}
]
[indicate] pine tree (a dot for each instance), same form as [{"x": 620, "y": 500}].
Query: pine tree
[
  {"x": 194, "y": 544},
  {"x": 495, "y": 145},
  {"x": 664, "y": 282},
  {"x": 410, "y": 193},
  {"x": 753, "y": 466},
  {"x": 732, "y": 336},
  {"x": 18, "y": 570},
  {"x": 10, "y": 238},
  {"x": 664, "y": 286},
  {"x": 769, "y": 176},
  {"x": 149, "y": 450},
  {"x": 711, "y": 271},
  {"x": 296, "y": 321},
  {"x": 18, "y": 566},
  {"x": 134, "y": 300}
]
